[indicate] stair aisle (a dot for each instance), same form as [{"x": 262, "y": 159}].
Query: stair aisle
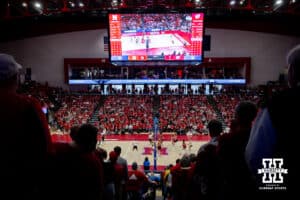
[
  {"x": 94, "y": 120},
  {"x": 212, "y": 102}
]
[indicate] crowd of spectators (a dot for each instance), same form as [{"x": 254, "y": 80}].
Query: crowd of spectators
[
  {"x": 227, "y": 101},
  {"x": 65, "y": 110},
  {"x": 121, "y": 114},
  {"x": 76, "y": 110},
  {"x": 185, "y": 113},
  {"x": 50, "y": 98}
]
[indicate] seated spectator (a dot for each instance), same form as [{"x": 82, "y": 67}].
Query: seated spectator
[
  {"x": 150, "y": 191},
  {"x": 136, "y": 181}
]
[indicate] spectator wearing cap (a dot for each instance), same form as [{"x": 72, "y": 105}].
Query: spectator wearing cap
[
  {"x": 25, "y": 144},
  {"x": 276, "y": 129}
]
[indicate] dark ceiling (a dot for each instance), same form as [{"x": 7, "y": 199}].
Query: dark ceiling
[{"x": 28, "y": 18}]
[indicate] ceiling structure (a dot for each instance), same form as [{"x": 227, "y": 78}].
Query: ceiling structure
[
  {"x": 15, "y": 8},
  {"x": 27, "y": 18}
]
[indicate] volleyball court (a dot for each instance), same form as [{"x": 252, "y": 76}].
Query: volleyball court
[{"x": 169, "y": 152}]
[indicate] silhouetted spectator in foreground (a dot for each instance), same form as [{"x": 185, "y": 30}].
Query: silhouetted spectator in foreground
[
  {"x": 181, "y": 179},
  {"x": 276, "y": 131},
  {"x": 109, "y": 173},
  {"x": 215, "y": 129},
  {"x": 205, "y": 183},
  {"x": 25, "y": 139},
  {"x": 237, "y": 182},
  {"x": 120, "y": 187},
  {"x": 79, "y": 171},
  {"x": 73, "y": 132}
]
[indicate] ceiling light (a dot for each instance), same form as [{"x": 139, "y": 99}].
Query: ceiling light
[
  {"x": 278, "y": 2},
  {"x": 37, "y": 5},
  {"x": 80, "y": 4},
  {"x": 24, "y": 4},
  {"x": 232, "y": 2},
  {"x": 72, "y": 4}
]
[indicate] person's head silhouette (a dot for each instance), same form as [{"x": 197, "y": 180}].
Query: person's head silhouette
[
  {"x": 9, "y": 70},
  {"x": 293, "y": 61}
]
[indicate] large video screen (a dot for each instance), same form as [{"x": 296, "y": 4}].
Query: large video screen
[{"x": 156, "y": 37}]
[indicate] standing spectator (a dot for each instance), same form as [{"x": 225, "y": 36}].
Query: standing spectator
[
  {"x": 276, "y": 128},
  {"x": 120, "y": 187},
  {"x": 146, "y": 164},
  {"x": 109, "y": 173},
  {"x": 205, "y": 179},
  {"x": 167, "y": 182},
  {"x": 215, "y": 129},
  {"x": 78, "y": 169},
  {"x": 25, "y": 144},
  {"x": 237, "y": 181},
  {"x": 181, "y": 179},
  {"x": 112, "y": 176},
  {"x": 204, "y": 183}
]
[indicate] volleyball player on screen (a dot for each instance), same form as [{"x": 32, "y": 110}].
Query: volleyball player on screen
[{"x": 147, "y": 43}]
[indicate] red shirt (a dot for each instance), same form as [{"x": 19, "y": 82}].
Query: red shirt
[
  {"x": 136, "y": 179},
  {"x": 25, "y": 144}
]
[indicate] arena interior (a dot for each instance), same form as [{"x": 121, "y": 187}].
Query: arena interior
[{"x": 155, "y": 109}]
